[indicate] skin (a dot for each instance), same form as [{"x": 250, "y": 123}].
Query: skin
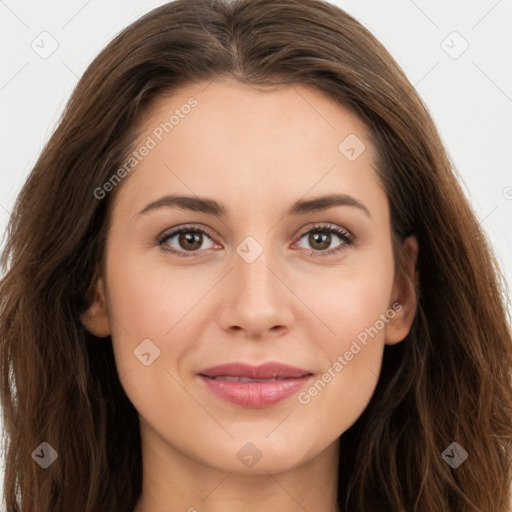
[{"x": 256, "y": 152}]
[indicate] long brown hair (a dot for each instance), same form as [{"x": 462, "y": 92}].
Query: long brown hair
[{"x": 448, "y": 381}]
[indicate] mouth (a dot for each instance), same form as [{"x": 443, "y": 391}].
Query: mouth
[
  {"x": 244, "y": 380},
  {"x": 254, "y": 387}
]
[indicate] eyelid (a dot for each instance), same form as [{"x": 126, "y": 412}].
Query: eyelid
[
  {"x": 169, "y": 233},
  {"x": 327, "y": 226}
]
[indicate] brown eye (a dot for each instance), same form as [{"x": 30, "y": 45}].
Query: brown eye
[
  {"x": 320, "y": 238},
  {"x": 188, "y": 240}
]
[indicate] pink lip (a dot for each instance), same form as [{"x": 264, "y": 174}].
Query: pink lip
[{"x": 288, "y": 381}]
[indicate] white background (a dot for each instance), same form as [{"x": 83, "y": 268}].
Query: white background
[{"x": 469, "y": 97}]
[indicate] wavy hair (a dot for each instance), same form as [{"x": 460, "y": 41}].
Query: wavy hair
[{"x": 449, "y": 380}]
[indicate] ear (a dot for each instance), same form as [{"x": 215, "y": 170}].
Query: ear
[
  {"x": 96, "y": 319},
  {"x": 404, "y": 302}
]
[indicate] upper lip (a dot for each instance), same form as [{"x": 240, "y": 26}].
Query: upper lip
[{"x": 264, "y": 371}]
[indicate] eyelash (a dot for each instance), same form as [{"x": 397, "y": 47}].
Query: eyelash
[{"x": 348, "y": 239}]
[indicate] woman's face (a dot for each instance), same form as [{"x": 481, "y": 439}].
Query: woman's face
[{"x": 261, "y": 282}]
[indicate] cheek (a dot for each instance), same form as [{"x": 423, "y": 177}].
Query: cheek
[
  {"x": 147, "y": 296},
  {"x": 149, "y": 313},
  {"x": 354, "y": 309},
  {"x": 352, "y": 302},
  {"x": 359, "y": 307},
  {"x": 151, "y": 301},
  {"x": 139, "y": 310}
]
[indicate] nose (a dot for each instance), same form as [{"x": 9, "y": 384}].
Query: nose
[{"x": 257, "y": 300}]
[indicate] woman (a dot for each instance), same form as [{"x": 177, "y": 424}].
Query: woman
[{"x": 253, "y": 368}]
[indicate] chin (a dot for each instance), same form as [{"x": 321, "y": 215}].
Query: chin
[{"x": 258, "y": 455}]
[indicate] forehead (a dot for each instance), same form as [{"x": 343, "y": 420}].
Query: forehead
[{"x": 247, "y": 145}]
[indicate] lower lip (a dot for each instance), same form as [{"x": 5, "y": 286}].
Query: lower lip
[{"x": 255, "y": 394}]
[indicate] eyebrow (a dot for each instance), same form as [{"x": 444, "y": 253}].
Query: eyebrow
[{"x": 212, "y": 207}]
